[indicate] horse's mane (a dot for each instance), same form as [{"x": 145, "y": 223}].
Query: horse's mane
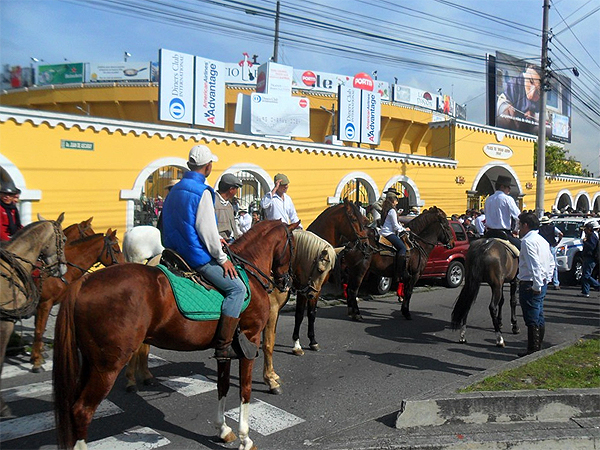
[
  {"x": 309, "y": 247},
  {"x": 422, "y": 221},
  {"x": 248, "y": 244},
  {"x": 334, "y": 210},
  {"x": 84, "y": 239},
  {"x": 25, "y": 230}
]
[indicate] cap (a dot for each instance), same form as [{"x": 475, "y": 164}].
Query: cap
[
  {"x": 228, "y": 181},
  {"x": 201, "y": 155},
  {"x": 8, "y": 187},
  {"x": 284, "y": 179}
]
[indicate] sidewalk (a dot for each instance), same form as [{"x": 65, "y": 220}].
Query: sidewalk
[{"x": 509, "y": 420}]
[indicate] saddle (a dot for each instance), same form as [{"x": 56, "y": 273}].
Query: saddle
[
  {"x": 387, "y": 248},
  {"x": 177, "y": 265},
  {"x": 509, "y": 246}
]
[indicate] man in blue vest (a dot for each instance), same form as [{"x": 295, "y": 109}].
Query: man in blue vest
[{"x": 190, "y": 228}]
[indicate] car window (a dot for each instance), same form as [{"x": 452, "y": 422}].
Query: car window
[
  {"x": 570, "y": 229},
  {"x": 459, "y": 231}
]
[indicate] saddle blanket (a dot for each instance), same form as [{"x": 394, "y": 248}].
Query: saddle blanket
[{"x": 196, "y": 302}]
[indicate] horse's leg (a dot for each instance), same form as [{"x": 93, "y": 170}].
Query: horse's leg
[
  {"x": 6, "y": 329},
  {"x": 142, "y": 371},
  {"x": 408, "y": 290},
  {"x": 353, "y": 286},
  {"x": 513, "y": 307},
  {"x": 312, "y": 316},
  {"x": 130, "y": 372},
  {"x": 269, "y": 333},
  {"x": 300, "y": 307},
  {"x": 245, "y": 394},
  {"x": 41, "y": 320},
  {"x": 463, "y": 333},
  {"x": 225, "y": 433},
  {"x": 494, "y": 303}
]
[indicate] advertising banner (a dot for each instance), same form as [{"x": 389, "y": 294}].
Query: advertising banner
[
  {"x": 120, "y": 71},
  {"x": 240, "y": 73},
  {"x": 412, "y": 96},
  {"x": 329, "y": 82},
  {"x": 371, "y": 118},
  {"x": 517, "y": 87},
  {"x": 280, "y": 116},
  {"x": 176, "y": 87},
  {"x": 349, "y": 113},
  {"x": 210, "y": 93},
  {"x": 60, "y": 74},
  {"x": 274, "y": 79}
]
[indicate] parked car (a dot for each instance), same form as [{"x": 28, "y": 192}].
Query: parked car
[
  {"x": 444, "y": 263},
  {"x": 568, "y": 251}
]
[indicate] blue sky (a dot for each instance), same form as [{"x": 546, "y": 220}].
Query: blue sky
[{"x": 453, "y": 34}]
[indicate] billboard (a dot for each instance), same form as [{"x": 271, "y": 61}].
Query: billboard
[
  {"x": 120, "y": 71},
  {"x": 349, "y": 113},
  {"x": 515, "y": 86},
  {"x": 210, "y": 93},
  {"x": 274, "y": 79},
  {"x": 276, "y": 115},
  {"x": 60, "y": 74},
  {"x": 371, "y": 117},
  {"x": 176, "y": 87}
]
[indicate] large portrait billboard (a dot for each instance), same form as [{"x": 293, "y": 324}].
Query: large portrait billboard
[{"x": 517, "y": 87}]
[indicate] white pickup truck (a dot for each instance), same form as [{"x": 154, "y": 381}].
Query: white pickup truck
[{"x": 568, "y": 253}]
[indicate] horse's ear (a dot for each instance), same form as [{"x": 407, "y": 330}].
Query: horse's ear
[
  {"x": 112, "y": 233},
  {"x": 109, "y": 232},
  {"x": 89, "y": 221},
  {"x": 293, "y": 226},
  {"x": 40, "y": 218},
  {"x": 60, "y": 218},
  {"x": 338, "y": 250}
]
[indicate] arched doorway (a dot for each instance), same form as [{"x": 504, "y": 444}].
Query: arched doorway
[
  {"x": 256, "y": 183},
  {"x": 409, "y": 192},
  {"x": 564, "y": 200},
  {"x": 357, "y": 187},
  {"x": 484, "y": 185},
  {"x": 9, "y": 171},
  {"x": 582, "y": 202}
]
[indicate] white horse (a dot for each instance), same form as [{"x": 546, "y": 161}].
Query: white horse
[{"x": 141, "y": 244}]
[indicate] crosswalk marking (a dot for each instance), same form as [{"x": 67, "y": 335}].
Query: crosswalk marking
[
  {"x": 265, "y": 418},
  {"x": 32, "y": 390},
  {"x": 189, "y": 386},
  {"x": 136, "y": 439},
  {"x": 13, "y": 370},
  {"x": 37, "y": 423}
]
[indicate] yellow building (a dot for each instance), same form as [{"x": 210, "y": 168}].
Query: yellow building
[{"x": 95, "y": 150}]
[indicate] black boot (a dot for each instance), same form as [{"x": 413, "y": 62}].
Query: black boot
[
  {"x": 400, "y": 266},
  {"x": 224, "y": 338},
  {"x": 542, "y": 333},
  {"x": 533, "y": 340}
]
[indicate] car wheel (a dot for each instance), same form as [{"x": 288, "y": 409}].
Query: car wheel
[
  {"x": 381, "y": 285},
  {"x": 455, "y": 274},
  {"x": 577, "y": 270}
]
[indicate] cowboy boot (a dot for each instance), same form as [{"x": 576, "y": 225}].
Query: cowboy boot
[
  {"x": 401, "y": 269},
  {"x": 533, "y": 340},
  {"x": 224, "y": 337},
  {"x": 542, "y": 333}
]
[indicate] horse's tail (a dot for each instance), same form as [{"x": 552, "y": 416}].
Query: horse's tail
[
  {"x": 66, "y": 369},
  {"x": 469, "y": 291}
]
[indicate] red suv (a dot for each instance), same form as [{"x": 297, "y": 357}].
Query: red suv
[{"x": 445, "y": 263}]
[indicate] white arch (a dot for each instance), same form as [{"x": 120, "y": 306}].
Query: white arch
[
  {"x": 372, "y": 189},
  {"x": 582, "y": 194},
  {"x": 27, "y": 195},
  {"x": 495, "y": 164},
  {"x": 594, "y": 199},
  {"x": 261, "y": 175},
  {"x": 414, "y": 195},
  {"x": 560, "y": 194}
]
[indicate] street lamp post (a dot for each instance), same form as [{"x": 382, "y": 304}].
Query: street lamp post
[
  {"x": 126, "y": 55},
  {"x": 541, "y": 142}
]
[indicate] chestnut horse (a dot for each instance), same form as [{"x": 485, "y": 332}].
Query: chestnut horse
[
  {"x": 343, "y": 225},
  {"x": 81, "y": 255},
  {"x": 106, "y": 315},
  {"x": 18, "y": 293},
  {"x": 79, "y": 230}
]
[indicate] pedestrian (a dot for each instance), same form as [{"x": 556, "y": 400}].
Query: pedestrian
[
  {"x": 10, "y": 220},
  {"x": 590, "y": 258},
  {"x": 228, "y": 188},
  {"x": 277, "y": 204},
  {"x": 190, "y": 228},
  {"x": 244, "y": 220},
  {"x": 501, "y": 211},
  {"x": 536, "y": 266},
  {"x": 553, "y": 235},
  {"x": 471, "y": 230},
  {"x": 479, "y": 221}
]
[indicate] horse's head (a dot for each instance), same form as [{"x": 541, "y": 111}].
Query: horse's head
[
  {"x": 282, "y": 257},
  {"x": 432, "y": 225},
  {"x": 111, "y": 253},
  {"x": 445, "y": 235},
  {"x": 53, "y": 249},
  {"x": 313, "y": 260},
  {"x": 356, "y": 221},
  {"x": 79, "y": 230}
]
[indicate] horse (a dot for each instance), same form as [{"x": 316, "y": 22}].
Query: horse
[
  {"x": 106, "y": 315},
  {"x": 18, "y": 258},
  {"x": 313, "y": 260},
  {"x": 426, "y": 230},
  {"x": 343, "y": 225},
  {"x": 142, "y": 243},
  {"x": 79, "y": 230},
  {"x": 81, "y": 255},
  {"x": 488, "y": 261}
]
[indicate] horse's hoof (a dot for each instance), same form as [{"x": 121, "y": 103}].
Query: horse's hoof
[
  {"x": 150, "y": 382},
  {"x": 516, "y": 330},
  {"x": 276, "y": 390},
  {"x": 131, "y": 389},
  {"x": 500, "y": 344},
  {"x": 37, "y": 369},
  {"x": 229, "y": 438},
  {"x": 315, "y": 347},
  {"x": 298, "y": 352},
  {"x": 462, "y": 341}
]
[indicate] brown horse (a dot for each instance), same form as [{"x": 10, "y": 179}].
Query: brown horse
[
  {"x": 426, "y": 230},
  {"x": 81, "y": 255},
  {"x": 79, "y": 230},
  {"x": 343, "y": 225},
  {"x": 18, "y": 258},
  {"x": 106, "y": 315},
  {"x": 313, "y": 260},
  {"x": 488, "y": 261}
]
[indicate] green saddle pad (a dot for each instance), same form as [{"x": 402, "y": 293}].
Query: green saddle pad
[{"x": 196, "y": 302}]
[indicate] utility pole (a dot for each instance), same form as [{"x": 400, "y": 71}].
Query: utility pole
[
  {"x": 541, "y": 142},
  {"x": 276, "y": 43}
]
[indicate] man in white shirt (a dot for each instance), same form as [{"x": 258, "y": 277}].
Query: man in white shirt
[
  {"x": 244, "y": 220},
  {"x": 500, "y": 209},
  {"x": 536, "y": 266},
  {"x": 277, "y": 205}
]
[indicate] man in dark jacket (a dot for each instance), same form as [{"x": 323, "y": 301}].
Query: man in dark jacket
[{"x": 590, "y": 258}]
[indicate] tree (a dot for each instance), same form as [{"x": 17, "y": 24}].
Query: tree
[{"x": 558, "y": 162}]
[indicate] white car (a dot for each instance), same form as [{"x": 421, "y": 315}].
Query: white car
[{"x": 568, "y": 251}]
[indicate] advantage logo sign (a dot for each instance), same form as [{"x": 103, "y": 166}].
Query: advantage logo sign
[
  {"x": 210, "y": 93},
  {"x": 359, "y": 116},
  {"x": 176, "y": 87},
  {"x": 371, "y": 118}
]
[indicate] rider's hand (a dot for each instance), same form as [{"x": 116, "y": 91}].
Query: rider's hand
[{"x": 229, "y": 270}]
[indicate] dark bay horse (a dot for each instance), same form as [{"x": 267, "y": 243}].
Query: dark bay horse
[
  {"x": 426, "y": 230},
  {"x": 488, "y": 261},
  {"x": 343, "y": 225},
  {"x": 106, "y": 315},
  {"x": 81, "y": 255},
  {"x": 18, "y": 258}
]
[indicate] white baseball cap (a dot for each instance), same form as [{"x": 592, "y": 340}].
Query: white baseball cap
[{"x": 201, "y": 155}]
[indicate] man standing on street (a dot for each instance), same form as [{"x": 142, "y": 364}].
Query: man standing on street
[
  {"x": 500, "y": 209},
  {"x": 228, "y": 189},
  {"x": 536, "y": 266},
  {"x": 590, "y": 258},
  {"x": 277, "y": 205}
]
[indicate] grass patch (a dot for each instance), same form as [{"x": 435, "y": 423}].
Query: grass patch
[{"x": 575, "y": 367}]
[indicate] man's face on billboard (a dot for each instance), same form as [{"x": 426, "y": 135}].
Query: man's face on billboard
[{"x": 532, "y": 85}]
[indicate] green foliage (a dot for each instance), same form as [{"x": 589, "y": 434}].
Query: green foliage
[{"x": 558, "y": 162}]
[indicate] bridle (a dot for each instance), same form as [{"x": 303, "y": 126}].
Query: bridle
[
  {"x": 110, "y": 251},
  {"x": 361, "y": 243}
]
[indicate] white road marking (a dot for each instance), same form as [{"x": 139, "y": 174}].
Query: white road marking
[
  {"x": 135, "y": 439},
  {"x": 32, "y": 390},
  {"x": 189, "y": 386},
  {"x": 13, "y": 370},
  {"x": 156, "y": 361},
  {"x": 266, "y": 419},
  {"x": 37, "y": 423}
]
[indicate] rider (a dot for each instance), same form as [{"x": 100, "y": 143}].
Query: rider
[
  {"x": 500, "y": 208},
  {"x": 391, "y": 228},
  {"x": 277, "y": 204},
  {"x": 10, "y": 221},
  {"x": 190, "y": 228}
]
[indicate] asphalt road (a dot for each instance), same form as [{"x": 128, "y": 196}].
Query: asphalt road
[{"x": 363, "y": 371}]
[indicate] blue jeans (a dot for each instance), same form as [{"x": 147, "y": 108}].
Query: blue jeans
[
  {"x": 555, "y": 280},
  {"x": 532, "y": 304},
  {"x": 586, "y": 279},
  {"x": 233, "y": 290},
  {"x": 397, "y": 243}
]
